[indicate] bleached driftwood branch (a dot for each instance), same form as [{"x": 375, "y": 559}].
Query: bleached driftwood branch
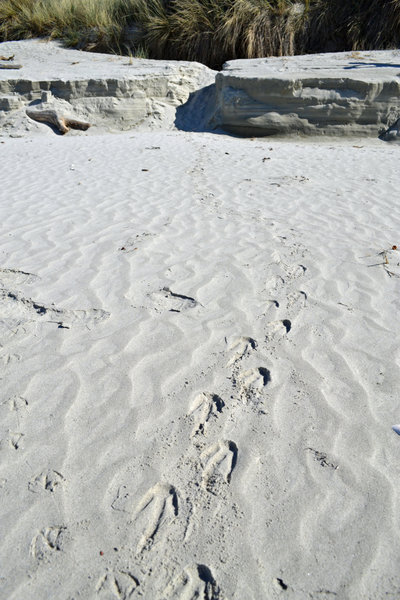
[
  {"x": 9, "y": 66},
  {"x": 63, "y": 124}
]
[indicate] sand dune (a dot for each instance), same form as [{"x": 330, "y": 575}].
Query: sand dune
[{"x": 199, "y": 368}]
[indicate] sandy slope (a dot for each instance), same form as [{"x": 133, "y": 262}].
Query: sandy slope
[{"x": 200, "y": 366}]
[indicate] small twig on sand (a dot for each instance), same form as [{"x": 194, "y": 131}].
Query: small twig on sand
[{"x": 386, "y": 263}]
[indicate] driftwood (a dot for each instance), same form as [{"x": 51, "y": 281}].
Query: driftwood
[
  {"x": 9, "y": 66},
  {"x": 63, "y": 124},
  {"x": 7, "y": 57}
]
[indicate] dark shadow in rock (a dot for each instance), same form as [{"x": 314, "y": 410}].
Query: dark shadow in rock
[
  {"x": 198, "y": 113},
  {"x": 392, "y": 133}
]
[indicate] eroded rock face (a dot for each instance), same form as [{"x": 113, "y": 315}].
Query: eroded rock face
[
  {"x": 111, "y": 92},
  {"x": 351, "y": 94},
  {"x": 330, "y": 94}
]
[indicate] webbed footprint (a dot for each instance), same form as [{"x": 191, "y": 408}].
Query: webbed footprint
[
  {"x": 49, "y": 540},
  {"x": 204, "y": 407},
  {"x": 278, "y": 329},
  {"x": 158, "y": 507},
  {"x": 117, "y": 584},
  {"x": 219, "y": 461},
  {"x": 240, "y": 346},
  {"x": 194, "y": 583},
  {"x": 47, "y": 481},
  {"x": 252, "y": 383}
]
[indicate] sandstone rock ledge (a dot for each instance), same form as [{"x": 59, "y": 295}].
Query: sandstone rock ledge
[
  {"x": 113, "y": 93},
  {"x": 353, "y": 94},
  {"x": 332, "y": 94}
]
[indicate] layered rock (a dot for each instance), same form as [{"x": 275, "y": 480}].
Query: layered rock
[
  {"x": 331, "y": 94},
  {"x": 112, "y": 92},
  {"x": 337, "y": 94}
]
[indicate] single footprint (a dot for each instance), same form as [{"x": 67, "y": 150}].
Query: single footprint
[
  {"x": 218, "y": 461},
  {"x": 252, "y": 383},
  {"x": 16, "y": 277},
  {"x": 282, "y": 274},
  {"x": 47, "y": 480},
  {"x": 158, "y": 507},
  {"x": 293, "y": 271},
  {"x": 204, "y": 407},
  {"x": 277, "y": 329},
  {"x": 133, "y": 242},
  {"x": 121, "y": 499},
  {"x": 275, "y": 283},
  {"x": 17, "y": 403},
  {"x": 298, "y": 297},
  {"x": 166, "y": 299},
  {"x": 240, "y": 346},
  {"x": 118, "y": 584},
  {"x": 15, "y": 439},
  {"x": 50, "y": 539},
  {"x": 194, "y": 583},
  {"x": 17, "y": 406},
  {"x": 14, "y": 306},
  {"x": 8, "y": 359},
  {"x": 322, "y": 459}
]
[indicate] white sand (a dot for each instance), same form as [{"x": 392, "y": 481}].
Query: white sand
[
  {"x": 199, "y": 367},
  {"x": 199, "y": 348}
]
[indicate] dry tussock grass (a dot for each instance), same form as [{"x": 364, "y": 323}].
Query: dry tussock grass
[{"x": 209, "y": 31}]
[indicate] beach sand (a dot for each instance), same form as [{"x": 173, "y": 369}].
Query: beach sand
[
  {"x": 200, "y": 366},
  {"x": 198, "y": 347}
]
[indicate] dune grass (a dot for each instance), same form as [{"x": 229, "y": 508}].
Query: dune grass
[
  {"x": 92, "y": 24},
  {"x": 209, "y": 31},
  {"x": 354, "y": 25}
]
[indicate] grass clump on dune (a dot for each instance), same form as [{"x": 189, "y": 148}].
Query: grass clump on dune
[
  {"x": 93, "y": 24},
  {"x": 209, "y": 31},
  {"x": 353, "y": 25}
]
